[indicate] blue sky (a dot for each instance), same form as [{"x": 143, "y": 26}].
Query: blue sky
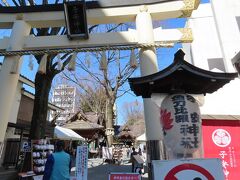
[{"x": 165, "y": 57}]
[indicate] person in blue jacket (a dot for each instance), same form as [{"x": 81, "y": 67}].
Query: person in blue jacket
[{"x": 58, "y": 165}]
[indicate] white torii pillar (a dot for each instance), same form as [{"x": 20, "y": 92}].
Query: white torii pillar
[
  {"x": 148, "y": 65},
  {"x": 9, "y": 80}
]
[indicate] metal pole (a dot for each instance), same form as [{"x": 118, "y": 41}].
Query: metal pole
[
  {"x": 148, "y": 65},
  {"x": 8, "y": 80}
]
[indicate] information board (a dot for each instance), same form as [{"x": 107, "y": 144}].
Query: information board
[{"x": 82, "y": 163}]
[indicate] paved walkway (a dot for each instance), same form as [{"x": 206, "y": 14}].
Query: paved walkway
[{"x": 99, "y": 170}]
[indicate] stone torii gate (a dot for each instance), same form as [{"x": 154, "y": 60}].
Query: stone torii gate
[{"x": 105, "y": 12}]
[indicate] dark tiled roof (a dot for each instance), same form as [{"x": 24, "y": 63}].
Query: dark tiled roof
[{"x": 180, "y": 77}]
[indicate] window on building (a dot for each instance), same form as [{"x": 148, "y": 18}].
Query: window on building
[
  {"x": 216, "y": 63},
  {"x": 238, "y": 22}
]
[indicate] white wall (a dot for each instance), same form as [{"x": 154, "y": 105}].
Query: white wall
[
  {"x": 227, "y": 28},
  {"x": 217, "y": 36},
  {"x": 205, "y": 43}
]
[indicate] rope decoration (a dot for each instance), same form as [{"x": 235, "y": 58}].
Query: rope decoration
[{"x": 84, "y": 49}]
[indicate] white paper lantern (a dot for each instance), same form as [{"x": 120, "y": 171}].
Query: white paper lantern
[{"x": 181, "y": 122}]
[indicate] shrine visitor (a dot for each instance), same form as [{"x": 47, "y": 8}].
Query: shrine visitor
[
  {"x": 58, "y": 165},
  {"x": 132, "y": 159}
]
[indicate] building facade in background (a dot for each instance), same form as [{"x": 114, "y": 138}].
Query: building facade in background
[
  {"x": 64, "y": 96},
  {"x": 216, "y": 33}
]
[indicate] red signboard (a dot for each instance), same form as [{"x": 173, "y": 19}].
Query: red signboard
[
  {"x": 124, "y": 176},
  {"x": 221, "y": 139}
]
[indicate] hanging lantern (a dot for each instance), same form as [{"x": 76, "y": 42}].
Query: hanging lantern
[
  {"x": 72, "y": 62},
  {"x": 43, "y": 64},
  {"x": 133, "y": 59},
  {"x": 181, "y": 122},
  {"x": 103, "y": 61}
]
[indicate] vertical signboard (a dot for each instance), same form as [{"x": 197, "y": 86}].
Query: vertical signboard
[
  {"x": 76, "y": 19},
  {"x": 221, "y": 139},
  {"x": 82, "y": 163}
]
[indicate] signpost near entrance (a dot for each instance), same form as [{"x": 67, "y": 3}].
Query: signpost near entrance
[{"x": 82, "y": 163}]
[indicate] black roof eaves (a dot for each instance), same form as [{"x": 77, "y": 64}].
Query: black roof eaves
[
  {"x": 24, "y": 77},
  {"x": 184, "y": 65},
  {"x": 208, "y": 74},
  {"x": 89, "y": 5}
]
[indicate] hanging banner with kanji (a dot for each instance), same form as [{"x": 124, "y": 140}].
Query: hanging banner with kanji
[
  {"x": 221, "y": 139},
  {"x": 82, "y": 163},
  {"x": 181, "y": 122}
]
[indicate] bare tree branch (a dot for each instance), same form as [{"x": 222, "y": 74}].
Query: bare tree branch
[
  {"x": 31, "y": 2},
  {"x": 15, "y": 3},
  {"x": 5, "y": 3}
]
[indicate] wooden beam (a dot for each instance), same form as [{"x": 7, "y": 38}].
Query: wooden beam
[{"x": 115, "y": 15}]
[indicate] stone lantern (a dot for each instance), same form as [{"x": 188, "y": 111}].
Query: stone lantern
[{"x": 179, "y": 111}]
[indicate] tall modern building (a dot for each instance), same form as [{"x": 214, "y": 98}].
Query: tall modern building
[{"x": 64, "y": 96}]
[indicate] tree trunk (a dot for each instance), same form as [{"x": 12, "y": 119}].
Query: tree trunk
[
  {"x": 109, "y": 122},
  {"x": 43, "y": 84}
]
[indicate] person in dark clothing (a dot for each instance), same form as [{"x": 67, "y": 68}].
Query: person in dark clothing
[
  {"x": 140, "y": 151},
  {"x": 132, "y": 159},
  {"x": 58, "y": 165}
]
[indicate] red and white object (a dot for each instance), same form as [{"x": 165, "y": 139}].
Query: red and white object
[
  {"x": 221, "y": 140},
  {"x": 204, "y": 169}
]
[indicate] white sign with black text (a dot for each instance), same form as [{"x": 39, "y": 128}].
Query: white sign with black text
[{"x": 82, "y": 163}]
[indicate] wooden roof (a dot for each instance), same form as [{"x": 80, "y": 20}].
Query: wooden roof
[
  {"x": 83, "y": 121},
  {"x": 126, "y": 135},
  {"x": 82, "y": 125}
]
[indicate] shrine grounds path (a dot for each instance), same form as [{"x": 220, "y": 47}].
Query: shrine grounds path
[{"x": 99, "y": 170}]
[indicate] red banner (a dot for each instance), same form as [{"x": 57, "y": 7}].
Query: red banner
[{"x": 221, "y": 139}]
